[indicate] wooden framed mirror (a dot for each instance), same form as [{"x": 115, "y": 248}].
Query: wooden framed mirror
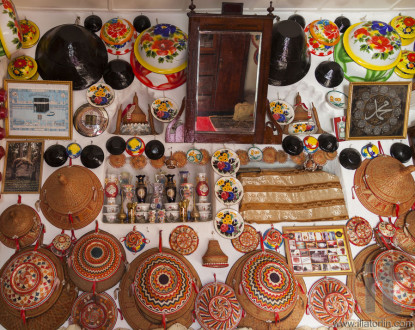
[{"x": 227, "y": 77}]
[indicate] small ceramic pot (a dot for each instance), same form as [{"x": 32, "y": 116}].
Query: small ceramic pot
[
  {"x": 205, "y": 215},
  {"x": 141, "y": 214},
  {"x": 171, "y": 206},
  {"x": 204, "y": 207},
  {"x": 118, "y": 36},
  {"x": 406, "y": 66},
  {"x": 114, "y": 208},
  {"x": 172, "y": 216},
  {"x": 142, "y": 207},
  {"x": 30, "y": 33},
  {"x": 111, "y": 217},
  {"x": 11, "y": 35},
  {"x": 405, "y": 26}
]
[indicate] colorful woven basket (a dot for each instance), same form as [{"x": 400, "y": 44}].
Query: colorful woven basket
[
  {"x": 184, "y": 240},
  {"x": 97, "y": 261},
  {"x": 247, "y": 241}
]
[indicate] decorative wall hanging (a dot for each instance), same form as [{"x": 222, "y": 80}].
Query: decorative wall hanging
[
  {"x": 90, "y": 121},
  {"x": 62, "y": 244},
  {"x": 272, "y": 238},
  {"x": 228, "y": 190},
  {"x": 55, "y": 155},
  {"x": 100, "y": 95},
  {"x": 118, "y": 35},
  {"x": 214, "y": 256},
  {"x": 164, "y": 109},
  {"x": 225, "y": 162},
  {"x": 318, "y": 250},
  {"x": 30, "y": 33},
  {"x": 184, "y": 240},
  {"x": 272, "y": 196},
  {"x": 359, "y": 231},
  {"x": 135, "y": 241},
  {"x": 248, "y": 241},
  {"x": 228, "y": 223}
]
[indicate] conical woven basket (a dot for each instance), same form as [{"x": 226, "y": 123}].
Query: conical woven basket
[
  {"x": 214, "y": 256},
  {"x": 17, "y": 220},
  {"x": 403, "y": 237},
  {"x": 59, "y": 197}
]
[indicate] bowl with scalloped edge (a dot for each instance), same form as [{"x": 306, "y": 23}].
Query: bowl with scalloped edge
[
  {"x": 374, "y": 45},
  {"x": 10, "y": 33}
]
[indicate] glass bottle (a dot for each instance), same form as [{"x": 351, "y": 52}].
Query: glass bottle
[
  {"x": 141, "y": 189},
  {"x": 170, "y": 188}
]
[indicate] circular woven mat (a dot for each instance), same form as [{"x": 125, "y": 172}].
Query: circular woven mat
[
  {"x": 258, "y": 318},
  {"x": 97, "y": 257},
  {"x": 371, "y": 310},
  {"x": 31, "y": 281},
  {"x": 134, "y": 314},
  {"x": 53, "y": 318},
  {"x": 247, "y": 241},
  {"x": 184, "y": 240}
]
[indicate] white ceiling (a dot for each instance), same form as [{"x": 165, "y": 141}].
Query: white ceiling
[{"x": 215, "y": 5}]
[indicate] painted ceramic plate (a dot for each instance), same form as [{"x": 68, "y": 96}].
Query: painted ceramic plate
[
  {"x": 135, "y": 241},
  {"x": 184, "y": 240},
  {"x": 135, "y": 146},
  {"x": 255, "y": 154},
  {"x": 247, "y": 241},
  {"x": 359, "y": 231},
  {"x": 229, "y": 190},
  {"x": 164, "y": 109},
  {"x": 337, "y": 100},
  {"x": 386, "y": 229},
  {"x": 30, "y": 33},
  {"x": 229, "y": 223},
  {"x": 393, "y": 272},
  {"x": 310, "y": 144},
  {"x": 100, "y": 95},
  {"x": 74, "y": 150},
  {"x": 282, "y": 112},
  {"x": 315, "y": 47},
  {"x": 330, "y": 301},
  {"x": 225, "y": 162},
  {"x": 325, "y": 31},
  {"x": 90, "y": 121},
  {"x": 272, "y": 238},
  {"x": 370, "y": 151},
  {"x": 194, "y": 156},
  {"x": 302, "y": 127}
]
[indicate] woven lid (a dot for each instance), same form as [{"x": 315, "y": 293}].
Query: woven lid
[
  {"x": 214, "y": 256},
  {"x": 17, "y": 220},
  {"x": 390, "y": 180}
]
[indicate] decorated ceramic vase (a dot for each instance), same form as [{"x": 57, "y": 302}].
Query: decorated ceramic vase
[
  {"x": 162, "y": 49},
  {"x": 23, "y": 68},
  {"x": 117, "y": 34},
  {"x": 10, "y": 35},
  {"x": 405, "y": 26},
  {"x": 202, "y": 188}
]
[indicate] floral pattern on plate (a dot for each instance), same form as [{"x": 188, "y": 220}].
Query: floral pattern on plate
[
  {"x": 325, "y": 31},
  {"x": 164, "y": 109},
  {"x": 117, "y": 31},
  {"x": 359, "y": 231},
  {"x": 225, "y": 162},
  {"x": 229, "y": 223},
  {"x": 229, "y": 190},
  {"x": 194, "y": 156},
  {"x": 100, "y": 95},
  {"x": 315, "y": 47},
  {"x": 255, "y": 154},
  {"x": 282, "y": 112},
  {"x": 302, "y": 127}
]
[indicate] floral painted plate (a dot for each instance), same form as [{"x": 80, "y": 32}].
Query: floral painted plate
[
  {"x": 74, "y": 150},
  {"x": 325, "y": 31},
  {"x": 30, "y": 33},
  {"x": 229, "y": 223},
  {"x": 302, "y": 127},
  {"x": 194, "y": 156},
  {"x": 247, "y": 241},
  {"x": 135, "y": 146},
  {"x": 225, "y": 162},
  {"x": 282, "y": 112},
  {"x": 337, "y": 100},
  {"x": 100, "y": 95},
  {"x": 359, "y": 231},
  {"x": 315, "y": 47},
  {"x": 255, "y": 154},
  {"x": 272, "y": 238},
  {"x": 229, "y": 190},
  {"x": 164, "y": 109},
  {"x": 184, "y": 240}
]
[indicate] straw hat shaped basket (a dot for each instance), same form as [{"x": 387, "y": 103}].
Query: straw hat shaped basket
[
  {"x": 97, "y": 261},
  {"x": 71, "y": 197},
  {"x": 20, "y": 226}
]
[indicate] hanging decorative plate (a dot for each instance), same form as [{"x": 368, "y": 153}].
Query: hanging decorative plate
[
  {"x": 247, "y": 241},
  {"x": 163, "y": 284},
  {"x": 100, "y": 95},
  {"x": 325, "y": 31},
  {"x": 255, "y": 154},
  {"x": 229, "y": 223},
  {"x": 30, "y": 33},
  {"x": 370, "y": 151},
  {"x": 310, "y": 144},
  {"x": 282, "y": 112},
  {"x": 184, "y": 240},
  {"x": 135, "y": 241},
  {"x": 216, "y": 307},
  {"x": 330, "y": 301},
  {"x": 386, "y": 229},
  {"x": 135, "y": 146},
  {"x": 337, "y": 100},
  {"x": 359, "y": 231},
  {"x": 302, "y": 127},
  {"x": 23, "y": 68},
  {"x": 194, "y": 156},
  {"x": 268, "y": 282},
  {"x": 272, "y": 238},
  {"x": 225, "y": 162},
  {"x": 74, "y": 150},
  {"x": 61, "y": 245},
  {"x": 229, "y": 190},
  {"x": 90, "y": 121},
  {"x": 164, "y": 109},
  {"x": 315, "y": 47},
  {"x": 394, "y": 272},
  {"x": 95, "y": 311}
]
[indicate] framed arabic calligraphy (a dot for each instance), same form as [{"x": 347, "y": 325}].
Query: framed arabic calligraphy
[{"x": 378, "y": 110}]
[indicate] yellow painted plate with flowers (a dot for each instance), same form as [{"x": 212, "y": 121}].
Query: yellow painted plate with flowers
[
  {"x": 225, "y": 162},
  {"x": 164, "y": 109},
  {"x": 23, "y": 68},
  {"x": 229, "y": 223},
  {"x": 100, "y": 95},
  {"x": 282, "y": 112},
  {"x": 229, "y": 190}
]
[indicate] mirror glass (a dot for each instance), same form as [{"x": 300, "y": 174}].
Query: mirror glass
[{"x": 227, "y": 82}]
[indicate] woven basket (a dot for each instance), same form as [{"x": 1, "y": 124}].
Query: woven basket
[
  {"x": 17, "y": 220},
  {"x": 30, "y": 265},
  {"x": 214, "y": 256},
  {"x": 403, "y": 237},
  {"x": 390, "y": 180},
  {"x": 97, "y": 261},
  {"x": 72, "y": 190}
]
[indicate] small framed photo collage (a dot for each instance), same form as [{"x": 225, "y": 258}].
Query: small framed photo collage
[{"x": 318, "y": 250}]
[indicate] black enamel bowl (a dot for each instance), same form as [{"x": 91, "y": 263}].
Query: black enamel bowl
[
  {"x": 328, "y": 142},
  {"x": 116, "y": 145},
  {"x": 350, "y": 158},
  {"x": 292, "y": 145},
  {"x": 299, "y": 19},
  {"x": 55, "y": 155},
  {"x": 118, "y": 74},
  {"x": 343, "y": 23},
  {"x": 92, "y": 156},
  {"x": 141, "y": 23},
  {"x": 154, "y": 149},
  {"x": 401, "y": 152},
  {"x": 329, "y": 74},
  {"x": 93, "y": 23}
]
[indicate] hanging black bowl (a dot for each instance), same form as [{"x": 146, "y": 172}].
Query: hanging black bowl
[
  {"x": 292, "y": 145},
  {"x": 329, "y": 74},
  {"x": 342, "y": 23},
  {"x": 298, "y": 18},
  {"x": 116, "y": 145},
  {"x": 154, "y": 149},
  {"x": 328, "y": 142},
  {"x": 401, "y": 152},
  {"x": 118, "y": 74},
  {"x": 92, "y": 156},
  {"x": 55, "y": 155},
  {"x": 350, "y": 158},
  {"x": 93, "y": 23},
  {"x": 141, "y": 23},
  {"x": 71, "y": 52}
]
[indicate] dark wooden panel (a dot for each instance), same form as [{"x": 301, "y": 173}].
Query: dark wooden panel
[
  {"x": 205, "y": 85},
  {"x": 207, "y": 64}
]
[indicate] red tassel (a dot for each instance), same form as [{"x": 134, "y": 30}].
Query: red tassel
[
  {"x": 70, "y": 218},
  {"x": 119, "y": 311},
  {"x": 380, "y": 148},
  {"x": 73, "y": 237},
  {"x": 262, "y": 241},
  {"x": 358, "y": 309},
  {"x": 277, "y": 317},
  {"x": 163, "y": 322},
  {"x": 19, "y": 199},
  {"x": 96, "y": 226},
  {"x": 302, "y": 104},
  {"x": 23, "y": 316},
  {"x": 70, "y": 161},
  {"x": 301, "y": 288},
  {"x": 160, "y": 242},
  {"x": 195, "y": 287},
  {"x": 193, "y": 316},
  {"x": 17, "y": 244},
  {"x": 307, "y": 309},
  {"x": 240, "y": 288},
  {"x": 36, "y": 246},
  {"x": 94, "y": 286},
  {"x": 214, "y": 276},
  {"x": 353, "y": 188},
  {"x": 397, "y": 210},
  {"x": 380, "y": 219},
  {"x": 243, "y": 313}
]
